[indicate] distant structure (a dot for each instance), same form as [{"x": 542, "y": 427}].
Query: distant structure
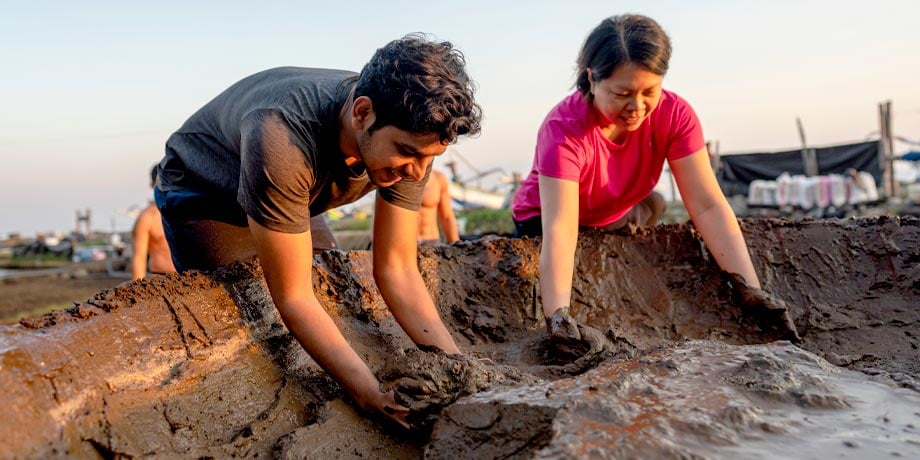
[{"x": 86, "y": 220}]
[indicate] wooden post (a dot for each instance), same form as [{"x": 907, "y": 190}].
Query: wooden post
[
  {"x": 809, "y": 161},
  {"x": 889, "y": 136},
  {"x": 885, "y": 148}
]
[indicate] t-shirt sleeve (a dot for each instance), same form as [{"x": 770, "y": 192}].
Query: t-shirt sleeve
[
  {"x": 557, "y": 154},
  {"x": 275, "y": 173},
  {"x": 406, "y": 193},
  {"x": 686, "y": 133}
]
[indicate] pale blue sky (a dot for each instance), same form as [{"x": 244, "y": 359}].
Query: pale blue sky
[{"x": 91, "y": 90}]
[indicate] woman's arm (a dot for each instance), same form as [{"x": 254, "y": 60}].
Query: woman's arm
[
  {"x": 712, "y": 215},
  {"x": 559, "y": 214}
]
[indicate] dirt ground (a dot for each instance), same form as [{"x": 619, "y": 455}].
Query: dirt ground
[{"x": 22, "y": 296}]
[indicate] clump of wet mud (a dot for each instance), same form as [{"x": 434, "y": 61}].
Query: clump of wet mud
[
  {"x": 426, "y": 380},
  {"x": 698, "y": 399},
  {"x": 200, "y": 364}
]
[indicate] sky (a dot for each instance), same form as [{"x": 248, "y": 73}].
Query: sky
[{"x": 90, "y": 90}]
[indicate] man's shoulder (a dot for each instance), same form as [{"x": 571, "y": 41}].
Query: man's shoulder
[
  {"x": 437, "y": 177},
  {"x": 146, "y": 218},
  {"x": 312, "y": 75}
]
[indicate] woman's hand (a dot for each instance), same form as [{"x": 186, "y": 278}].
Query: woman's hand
[{"x": 770, "y": 314}]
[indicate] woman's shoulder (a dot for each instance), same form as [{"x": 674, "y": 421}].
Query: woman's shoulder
[
  {"x": 671, "y": 102},
  {"x": 570, "y": 116},
  {"x": 674, "y": 111}
]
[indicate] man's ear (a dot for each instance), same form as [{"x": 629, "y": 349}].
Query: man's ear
[{"x": 362, "y": 113}]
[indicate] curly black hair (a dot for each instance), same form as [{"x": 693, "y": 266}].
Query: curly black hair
[{"x": 421, "y": 86}]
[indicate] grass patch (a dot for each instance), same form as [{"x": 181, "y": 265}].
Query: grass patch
[
  {"x": 351, "y": 224},
  {"x": 483, "y": 221},
  {"x": 35, "y": 261}
]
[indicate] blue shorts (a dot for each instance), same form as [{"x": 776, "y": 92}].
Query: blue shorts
[
  {"x": 203, "y": 232},
  {"x": 186, "y": 204}
]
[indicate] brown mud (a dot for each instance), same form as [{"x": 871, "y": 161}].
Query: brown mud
[
  {"x": 31, "y": 292},
  {"x": 199, "y": 364}
]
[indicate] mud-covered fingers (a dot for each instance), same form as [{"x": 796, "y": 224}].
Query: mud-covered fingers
[
  {"x": 413, "y": 386},
  {"x": 392, "y": 410},
  {"x": 792, "y": 333},
  {"x": 776, "y": 309}
]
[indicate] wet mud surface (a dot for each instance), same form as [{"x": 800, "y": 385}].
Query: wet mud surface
[{"x": 199, "y": 364}]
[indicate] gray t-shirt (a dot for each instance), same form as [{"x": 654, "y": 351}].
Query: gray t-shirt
[{"x": 269, "y": 146}]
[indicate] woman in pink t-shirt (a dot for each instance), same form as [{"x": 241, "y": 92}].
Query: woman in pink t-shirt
[{"x": 600, "y": 153}]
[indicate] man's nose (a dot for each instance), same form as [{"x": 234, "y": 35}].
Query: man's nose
[{"x": 420, "y": 167}]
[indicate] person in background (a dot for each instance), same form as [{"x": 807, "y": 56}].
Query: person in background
[
  {"x": 248, "y": 174},
  {"x": 150, "y": 250},
  {"x": 599, "y": 154},
  {"x": 435, "y": 210}
]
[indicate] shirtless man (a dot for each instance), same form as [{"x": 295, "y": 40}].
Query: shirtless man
[
  {"x": 150, "y": 241},
  {"x": 436, "y": 209}
]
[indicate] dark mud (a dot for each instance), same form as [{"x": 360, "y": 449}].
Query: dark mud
[
  {"x": 199, "y": 364},
  {"x": 700, "y": 399}
]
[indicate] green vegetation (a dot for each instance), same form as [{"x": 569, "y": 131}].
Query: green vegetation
[
  {"x": 482, "y": 221},
  {"x": 95, "y": 242},
  {"x": 350, "y": 223},
  {"x": 35, "y": 261}
]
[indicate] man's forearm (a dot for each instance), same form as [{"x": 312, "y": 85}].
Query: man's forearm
[
  {"x": 323, "y": 341},
  {"x": 411, "y": 305}
]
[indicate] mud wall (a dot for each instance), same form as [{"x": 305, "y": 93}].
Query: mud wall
[{"x": 199, "y": 364}]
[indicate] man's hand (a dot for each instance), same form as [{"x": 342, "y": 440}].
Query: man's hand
[
  {"x": 385, "y": 404},
  {"x": 768, "y": 313}
]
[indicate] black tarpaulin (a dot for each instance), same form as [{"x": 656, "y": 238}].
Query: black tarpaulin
[{"x": 738, "y": 171}]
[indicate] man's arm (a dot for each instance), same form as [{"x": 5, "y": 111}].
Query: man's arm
[
  {"x": 446, "y": 215},
  {"x": 400, "y": 283},
  {"x": 287, "y": 261},
  {"x": 140, "y": 240}
]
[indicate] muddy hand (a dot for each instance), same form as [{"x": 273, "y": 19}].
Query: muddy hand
[
  {"x": 562, "y": 326},
  {"x": 389, "y": 408},
  {"x": 420, "y": 394},
  {"x": 768, "y": 312},
  {"x": 575, "y": 341}
]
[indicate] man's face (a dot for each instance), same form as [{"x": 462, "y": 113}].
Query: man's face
[{"x": 391, "y": 154}]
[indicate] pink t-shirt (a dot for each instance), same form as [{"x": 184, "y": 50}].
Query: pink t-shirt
[{"x": 611, "y": 178}]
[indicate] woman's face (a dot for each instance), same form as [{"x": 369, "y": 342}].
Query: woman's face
[{"x": 628, "y": 96}]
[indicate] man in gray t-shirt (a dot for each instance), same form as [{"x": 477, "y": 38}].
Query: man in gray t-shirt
[{"x": 245, "y": 174}]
